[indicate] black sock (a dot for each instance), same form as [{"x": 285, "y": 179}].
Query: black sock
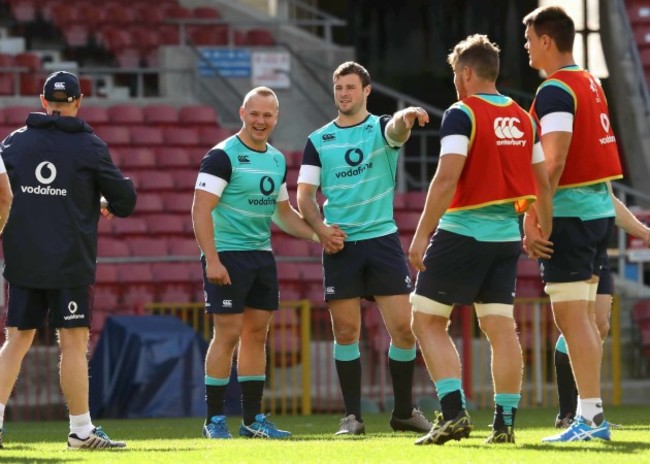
[
  {"x": 350, "y": 379},
  {"x": 251, "y": 399},
  {"x": 567, "y": 392},
  {"x": 215, "y": 400},
  {"x": 401, "y": 373},
  {"x": 502, "y": 420},
  {"x": 451, "y": 405}
]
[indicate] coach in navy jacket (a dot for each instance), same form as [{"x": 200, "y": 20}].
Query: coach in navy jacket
[{"x": 59, "y": 170}]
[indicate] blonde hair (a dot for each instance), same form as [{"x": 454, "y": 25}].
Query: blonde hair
[{"x": 478, "y": 53}]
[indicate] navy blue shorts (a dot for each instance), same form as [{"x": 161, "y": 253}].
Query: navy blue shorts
[
  {"x": 29, "y": 308},
  {"x": 254, "y": 283},
  {"x": 367, "y": 268},
  {"x": 579, "y": 249},
  {"x": 462, "y": 270}
]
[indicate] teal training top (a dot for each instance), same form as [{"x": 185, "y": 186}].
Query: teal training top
[
  {"x": 242, "y": 219},
  {"x": 357, "y": 176}
]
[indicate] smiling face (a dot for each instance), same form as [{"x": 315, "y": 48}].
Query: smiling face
[
  {"x": 259, "y": 116},
  {"x": 350, "y": 96}
]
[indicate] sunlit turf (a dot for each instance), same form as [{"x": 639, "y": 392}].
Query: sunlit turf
[{"x": 180, "y": 441}]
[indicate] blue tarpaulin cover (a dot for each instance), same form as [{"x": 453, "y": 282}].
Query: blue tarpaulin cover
[{"x": 147, "y": 366}]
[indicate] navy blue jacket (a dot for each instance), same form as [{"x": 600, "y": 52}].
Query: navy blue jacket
[{"x": 58, "y": 169}]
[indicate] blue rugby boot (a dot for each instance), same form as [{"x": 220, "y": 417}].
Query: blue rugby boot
[
  {"x": 580, "y": 431},
  {"x": 262, "y": 428},
  {"x": 217, "y": 428}
]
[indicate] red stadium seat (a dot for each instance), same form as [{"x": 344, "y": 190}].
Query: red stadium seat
[
  {"x": 197, "y": 114},
  {"x": 117, "y": 15},
  {"x": 146, "y": 135},
  {"x": 114, "y": 135},
  {"x": 175, "y": 202},
  {"x": 177, "y": 12},
  {"x": 94, "y": 115},
  {"x": 16, "y": 115},
  {"x": 180, "y": 246},
  {"x": 196, "y": 156},
  {"x": 104, "y": 227},
  {"x": 125, "y": 114},
  {"x": 31, "y": 85},
  {"x": 415, "y": 200},
  {"x": 260, "y": 37},
  {"x": 130, "y": 57},
  {"x": 311, "y": 272},
  {"x": 173, "y": 157},
  {"x": 181, "y": 136},
  {"x": 206, "y": 12},
  {"x": 75, "y": 34},
  {"x": 148, "y": 247},
  {"x": 137, "y": 158},
  {"x": 156, "y": 181},
  {"x": 149, "y": 203},
  {"x": 106, "y": 274},
  {"x": 23, "y": 11},
  {"x": 130, "y": 226},
  {"x": 407, "y": 221},
  {"x": 148, "y": 16},
  {"x": 167, "y": 224},
  {"x": 211, "y": 135},
  {"x": 185, "y": 179},
  {"x": 284, "y": 245},
  {"x": 208, "y": 35},
  {"x": 160, "y": 114},
  {"x": 107, "y": 246},
  {"x": 175, "y": 295},
  {"x": 7, "y": 84}
]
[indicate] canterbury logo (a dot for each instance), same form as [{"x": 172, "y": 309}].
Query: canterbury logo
[
  {"x": 505, "y": 128},
  {"x": 507, "y": 132}
]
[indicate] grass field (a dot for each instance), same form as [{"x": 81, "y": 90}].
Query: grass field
[{"x": 179, "y": 441}]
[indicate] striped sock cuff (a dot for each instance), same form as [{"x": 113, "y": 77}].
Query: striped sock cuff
[
  {"x": 251, "y": 378},
  {"x": 346, "y": 352},
  {"x": 401, "y": 354},
  {"x": 216, "y": 382}
]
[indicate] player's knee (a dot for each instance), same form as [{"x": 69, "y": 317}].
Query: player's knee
[
  {"x": 560, "y": 292},
  {"x": 603, "y": 328}
]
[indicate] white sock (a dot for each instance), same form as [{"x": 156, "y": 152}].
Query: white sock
[
  {"x": 2, "y": 415},
  {"x": 81, "y": 425},
  {"x": 590, "y": 408}
]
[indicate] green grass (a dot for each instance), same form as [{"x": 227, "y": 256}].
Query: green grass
[{"x": 179, "y": 441}]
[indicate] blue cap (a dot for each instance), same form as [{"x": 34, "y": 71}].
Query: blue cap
[{"x": 61, "y": 86}]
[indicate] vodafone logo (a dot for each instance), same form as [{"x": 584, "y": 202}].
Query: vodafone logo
[
  {"x": 604, "y": 122},
  {"x": 45, "y": 172},
  {"x": 507, "y": 132}
]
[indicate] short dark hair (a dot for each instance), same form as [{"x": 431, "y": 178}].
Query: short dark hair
[
  {"x": 554, "y": 22},
  {"x": 350, "y": 67},
  {"x": 478, "y": 53}
]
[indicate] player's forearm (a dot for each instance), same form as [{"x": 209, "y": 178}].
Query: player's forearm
[{"x": 288, "y": 219}]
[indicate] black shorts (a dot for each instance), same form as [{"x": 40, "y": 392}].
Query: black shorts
[
  {"x": 462, "y": 270},
  {"x": 605, "y": 284},
  {"x": 579, "y": 249},
  {"x": 367, "y": 268},
  {"x": 28, "y": 308},
  {"x": 254, "y": 283}
]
